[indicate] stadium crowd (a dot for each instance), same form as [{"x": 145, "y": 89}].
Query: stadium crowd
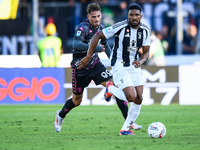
[{"x": 160, "y": 15}]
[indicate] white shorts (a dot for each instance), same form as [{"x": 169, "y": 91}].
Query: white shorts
[{"x": 125, "y": 76}]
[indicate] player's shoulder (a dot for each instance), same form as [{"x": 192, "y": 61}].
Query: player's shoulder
[
  {"x": 84, "y": 24},
  {"x": 120, "y": 24},
  {"x": 144, "y": 26}
]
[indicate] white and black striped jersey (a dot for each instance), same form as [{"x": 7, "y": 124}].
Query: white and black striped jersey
[{"x": 128, "y": 41}]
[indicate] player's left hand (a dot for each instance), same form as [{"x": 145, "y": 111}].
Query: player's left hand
[
  {"x": 83, "y": 62},
  {"x": 103, "y": 48},
  {"x": 136, "y": 63}
]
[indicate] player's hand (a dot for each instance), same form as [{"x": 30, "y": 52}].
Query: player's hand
[
  {"x": 83, "y": 62},
  {"x": 103, "y": 48},
  {"x": 136, "y": 63}
]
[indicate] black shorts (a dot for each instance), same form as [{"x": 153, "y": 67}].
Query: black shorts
[{"x": 82, "y": 78}]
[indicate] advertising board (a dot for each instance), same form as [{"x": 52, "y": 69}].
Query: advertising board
[
  {"x": 161, "y": 86},
  {"x": 32, "y": 86}
]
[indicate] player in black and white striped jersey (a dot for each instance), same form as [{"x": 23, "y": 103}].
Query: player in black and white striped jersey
[{"x": 130, "y": 35}]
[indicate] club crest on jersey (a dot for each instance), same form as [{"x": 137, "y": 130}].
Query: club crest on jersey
[
  {"x": 78, "y": 33},
  {"x": 139, "y": 35},
  {"x": 133, "y": 43}
]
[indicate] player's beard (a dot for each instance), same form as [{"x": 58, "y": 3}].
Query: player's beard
[
  {"x": 134, "y": 26},
  {"x": 97, "y": 24}
]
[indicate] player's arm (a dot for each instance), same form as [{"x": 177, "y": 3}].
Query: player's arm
[
  {"x": 81, "y": 64},
  {"x": 143, "y": 58},
  {"x": 145, "y": 49},
  {"x": 145, "y": 55},
  {"x": 79, "y": 45},
  {"x": 107, "y": 47},
  {"x": 94, "y": 43},
  {"x": 107, "y": 50}
]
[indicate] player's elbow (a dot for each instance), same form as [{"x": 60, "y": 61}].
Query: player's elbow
[{"x": 100, "y": 35}]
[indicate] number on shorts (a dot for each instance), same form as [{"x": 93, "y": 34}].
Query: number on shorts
[{"x": 106, "y": 74}]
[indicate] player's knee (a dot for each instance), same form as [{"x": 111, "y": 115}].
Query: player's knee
[
  {"x": 138, "y": 100},
  {"x": 77, "y": 101},
  {"x": 130, "y": 98}
]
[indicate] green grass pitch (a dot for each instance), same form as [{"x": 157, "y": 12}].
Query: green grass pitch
[{"x": 30, "y": 127}]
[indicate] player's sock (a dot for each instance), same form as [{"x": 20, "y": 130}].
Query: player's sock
[
  {"x": 117, "y": 92},
  {"x": 123, "y": 106},
  {"x": 69, "y": 105},
  {"x": 133, "y": 113}
]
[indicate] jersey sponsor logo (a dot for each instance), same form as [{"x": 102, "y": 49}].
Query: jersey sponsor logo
[
  {"x": 132, "y": 48},
  {"x": 78, "y": 33}
]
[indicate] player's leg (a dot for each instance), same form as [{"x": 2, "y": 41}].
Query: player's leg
[
  {"x": 134, "y": 111},
  {"x": 138, "y": 103},
  {"x": 122, "y": 80},
  {"x": 69, "y": 105},
  {"x": 124, "y": 88},
  {"x": 123, "y": 106},
  {"x": 125, "y": 130},
  {"x": 100, "y": 76},
  {"x": 79, "y": 82},
  {"x": 135, "y": 107},
  {"x": 113, "y": 90}
]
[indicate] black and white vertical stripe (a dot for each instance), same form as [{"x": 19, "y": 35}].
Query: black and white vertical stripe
[{"x": 123, "y": 39}]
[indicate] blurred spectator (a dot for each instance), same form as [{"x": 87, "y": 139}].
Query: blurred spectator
[
  {"x": 123, "y": 6},
  {"x": 164, "y": 39},
  {"x": 156, "y": 54},
  {"x": 107, "y": 16},
  {"x": 50, "y": 47},
  {"x": 189, "y": 39},
  {"x": 169, "y": 31}
]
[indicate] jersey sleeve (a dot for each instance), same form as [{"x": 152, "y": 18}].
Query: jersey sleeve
[
  {"x": 80, "y": 33},
  {"x": 146, "y": 38},
  {"x": 108, "y": 32},
  {"x": 112, "y": 30}
]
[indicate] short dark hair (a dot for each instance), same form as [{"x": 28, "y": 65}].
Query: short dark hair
[
  {"x": 93, "y": 7},
  {"x": 134, "y": 6}
]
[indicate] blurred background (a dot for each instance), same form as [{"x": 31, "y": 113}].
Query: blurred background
[{"x": 175, "y": 22}]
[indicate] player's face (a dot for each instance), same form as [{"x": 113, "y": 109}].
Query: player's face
[
  {"x": 94, "y": 18},
  {"x": 134, "y": 16}
]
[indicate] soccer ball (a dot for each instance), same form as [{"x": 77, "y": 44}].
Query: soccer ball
[{"x": 156, "y": 130}]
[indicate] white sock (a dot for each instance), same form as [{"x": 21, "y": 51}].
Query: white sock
[
  {"x": 117, "y": 92},
  {"x": 133, "y": 113}
]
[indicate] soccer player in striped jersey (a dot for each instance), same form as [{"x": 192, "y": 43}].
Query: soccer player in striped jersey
[{"x": 130, "y": 35}]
